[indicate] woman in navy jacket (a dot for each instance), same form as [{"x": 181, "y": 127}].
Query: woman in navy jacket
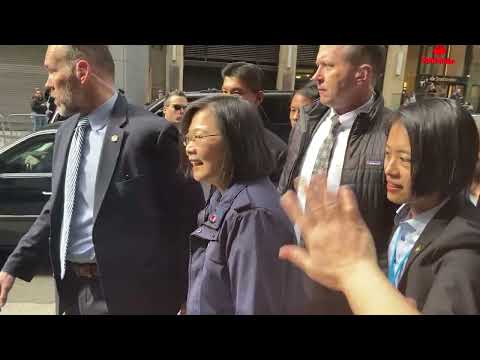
[{"x": 234, "y": 267}]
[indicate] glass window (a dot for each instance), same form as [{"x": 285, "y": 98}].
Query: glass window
[{"x": 31, "y": 156}]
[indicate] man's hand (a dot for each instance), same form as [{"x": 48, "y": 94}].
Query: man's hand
[
  {"x": 6, "y": 283},
  {"x": 337, "y": 239},
  {"x": 31, "y": 161}
]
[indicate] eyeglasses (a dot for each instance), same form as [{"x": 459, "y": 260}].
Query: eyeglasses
[
  {"x": 196, "y": 138},
  {"x": 179, "y": 107}
]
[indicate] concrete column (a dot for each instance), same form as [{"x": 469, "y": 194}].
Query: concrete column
[
  {"x": 174, "y": 67},
  {"x": 394, "y": 75},
  {"x": 132, "y": 70},
  {"x": 287, "y": 66},
  {"x": 158, "y": 69}
]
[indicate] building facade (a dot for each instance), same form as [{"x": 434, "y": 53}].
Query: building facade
[
  {"x": 147, "y": 71},
  {"x": 444, "y": 70}
]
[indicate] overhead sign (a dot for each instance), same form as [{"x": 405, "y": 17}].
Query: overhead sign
[{"x": 438, "y": 56}]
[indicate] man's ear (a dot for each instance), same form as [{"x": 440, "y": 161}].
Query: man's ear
[
  {"x": 364, "y": 73},
  {"x": 83, "y": 71},
  {"x": 259, "y": 97}
]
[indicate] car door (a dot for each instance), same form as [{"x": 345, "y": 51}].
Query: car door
[{"x": 25, "y": 184}]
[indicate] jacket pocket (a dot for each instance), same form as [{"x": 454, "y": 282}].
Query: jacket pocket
[{"x": 126, "y": 186}]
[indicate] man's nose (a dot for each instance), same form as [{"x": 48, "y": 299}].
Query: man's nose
[{"x": 296, "y": 115}]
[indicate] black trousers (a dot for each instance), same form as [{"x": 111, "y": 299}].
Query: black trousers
[{"x": 84, "y": 296}]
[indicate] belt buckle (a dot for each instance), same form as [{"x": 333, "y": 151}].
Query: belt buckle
[
  {"x": 90, "y": 271},
  {"x": 85, "y": 271}
]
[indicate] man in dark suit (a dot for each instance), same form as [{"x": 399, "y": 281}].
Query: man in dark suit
[
  {"x": 246, "y": 80},
  {"x": 117, "y": 221}
]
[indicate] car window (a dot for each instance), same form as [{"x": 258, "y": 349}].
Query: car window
[{"x": 33, "y": 155}]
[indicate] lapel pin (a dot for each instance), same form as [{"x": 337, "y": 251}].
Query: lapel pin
[
  {"x": 418, "y": 248},
  {"x": 114, "y": 138}
]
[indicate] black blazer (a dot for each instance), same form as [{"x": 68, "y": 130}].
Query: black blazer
[
  {"x": 443, "y": 271},
  {"x": 143, "y": 212}
]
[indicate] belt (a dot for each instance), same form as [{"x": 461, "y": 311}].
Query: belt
[{"x": 88, "y": 271}]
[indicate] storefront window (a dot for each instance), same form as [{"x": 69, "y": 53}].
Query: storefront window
[{"x": 441, "y": 71}]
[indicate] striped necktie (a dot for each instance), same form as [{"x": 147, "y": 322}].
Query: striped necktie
[
  {"x": 71, "y": 181},
  {"x": 325, "y": 153}
]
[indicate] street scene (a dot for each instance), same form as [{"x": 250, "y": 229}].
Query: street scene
[{"x": 239, "y": 179}]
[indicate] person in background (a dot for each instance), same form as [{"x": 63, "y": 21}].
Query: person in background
[
  {"x": 174, "y": 107},
  {"x": 39, "y": 108},
  {"x": 305, "y": 96},
  {"x": 246, "y": 81}
]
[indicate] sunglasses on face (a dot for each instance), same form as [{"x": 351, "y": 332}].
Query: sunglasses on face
[{"x": 179, "y": 107}]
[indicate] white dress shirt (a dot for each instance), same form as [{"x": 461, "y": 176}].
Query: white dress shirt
[
  {"x": 334, "y": 174},
  {"x": 80, "y": 247}
]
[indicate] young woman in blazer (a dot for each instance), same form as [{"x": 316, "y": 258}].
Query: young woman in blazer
[{"x": 434, "y": 252}]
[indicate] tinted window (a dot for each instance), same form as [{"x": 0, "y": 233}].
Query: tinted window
[
  {"x": 276, "y": 107},
  {"x": 33, "y": 155}
]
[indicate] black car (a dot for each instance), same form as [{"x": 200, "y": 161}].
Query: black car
[
  {"x": 274, "y": 108},
  {"x": 25, "y": 183}
]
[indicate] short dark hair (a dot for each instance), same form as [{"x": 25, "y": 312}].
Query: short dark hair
[
  {"x": 444, "y": 145},
  {"x": 251, "y": 74},
  {"x": 172, "y": 94},
  {"x": 247, "y": 156},
  {"x": 99, "y": 55},
  {"x": 375, "y": 55},
  {"x": 309, "y": 91}
]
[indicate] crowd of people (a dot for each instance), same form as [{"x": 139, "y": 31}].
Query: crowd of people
[{"x": 365, "y": 210}]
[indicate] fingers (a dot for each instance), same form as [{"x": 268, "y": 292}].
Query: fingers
[
  {"x": 321, "y": 202},
  {"x": 298, "y": 182},
  {"x": 291, "y": 205},
  {"x": 296, "y": 255},
  {"x": 3, "y": 295},
  {"x": 348, "y": 204},
  {"x": 411, "y": 302},
  {"x": 289, "y": 202},
  {"x": 6, "y": 283},
  {"x": 315, "y": 193}
]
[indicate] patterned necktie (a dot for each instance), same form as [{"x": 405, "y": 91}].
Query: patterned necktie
[
  {"x": 71, "y": 181},
  {"x": 325, "y": 153}
]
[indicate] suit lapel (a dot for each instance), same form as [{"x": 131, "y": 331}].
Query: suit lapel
[
  {"x": 431, "y": 232},
  {"x": 112, "y": 144}
]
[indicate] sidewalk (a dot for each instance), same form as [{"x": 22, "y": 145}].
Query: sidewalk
[{"x": 34, "y": 298}]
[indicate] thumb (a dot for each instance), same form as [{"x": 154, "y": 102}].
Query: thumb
[{"x": 296, "y": 255}]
